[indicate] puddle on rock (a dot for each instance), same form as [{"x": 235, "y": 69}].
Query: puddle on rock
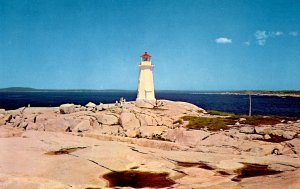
[
  {"x": 64, "y": 151},
  {"x": 138, "y": 179},
  {"x": 194, "y": 164},
  {"x": 253, "y": 170}
]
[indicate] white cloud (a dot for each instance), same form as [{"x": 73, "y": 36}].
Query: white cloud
[
  {"x": 293, "y": 33},
  {"x": 262, "y": 42},
  {"x": 223, "y": 40},
  {"x": 276, "y": 34},
  {"x": 262, "y": 36},
  {"x": 247, "y": 43}
]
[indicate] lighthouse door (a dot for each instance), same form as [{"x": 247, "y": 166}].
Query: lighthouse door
[{"x": 148, "y": 94}]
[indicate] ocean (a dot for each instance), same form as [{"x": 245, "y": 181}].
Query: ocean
[{"x": 238, "y": 104}]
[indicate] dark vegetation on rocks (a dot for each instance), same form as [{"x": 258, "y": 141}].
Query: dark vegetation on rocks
[{"x": 225, "y": 119}]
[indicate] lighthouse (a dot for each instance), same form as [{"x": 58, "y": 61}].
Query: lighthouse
[{"x": 146, "y": 84}]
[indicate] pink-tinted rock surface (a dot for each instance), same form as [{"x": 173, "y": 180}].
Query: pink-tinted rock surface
[{"x": 74, "y": 146}]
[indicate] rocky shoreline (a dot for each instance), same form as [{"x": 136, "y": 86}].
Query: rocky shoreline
[{"x": 96, "y": 146}]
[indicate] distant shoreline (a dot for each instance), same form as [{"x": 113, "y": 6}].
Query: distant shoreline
[
  {"x": 262, "y": 93},
  {"x": 279, "y": 93}
]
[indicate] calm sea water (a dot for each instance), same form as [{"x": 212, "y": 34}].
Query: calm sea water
[{"x": 238, "y": 104}]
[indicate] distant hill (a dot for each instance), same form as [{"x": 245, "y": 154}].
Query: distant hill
[
  {"x": 28, "y": 89},
  {"x": 17, "y": 89}
]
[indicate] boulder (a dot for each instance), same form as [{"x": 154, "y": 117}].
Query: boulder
[
  {"x": 263, "y": 130},
  {"x": 130, "y": 124},
  {"x": 107, "y": 119},
  {"x": 16, "y": 121},
  {"x": 148, "y": 120},
  {"x": 110, "y": 130},
  {"x": 277, "y": 132},
  {"x": 106, "y": 106},
  {"x": 152, "y": 132},
  {"x": 129, "y": 120},
  {"x": 133, "y": 133},
  {"x": 247, "y": 130},
  {"x": 82, "y": 126},
  {"x": 67, "y": 108},
  {"x": 267, "y": 137},
  {"x": 289, "y": 134},
  {"x": 5, "y": 119},
  {"x": 90, "y": 105},
  {"x": 74, "y": 121},
  {"x": 2, "y": 111},
  {"x": 23, "y": 124},
  {"x": 99, "y": 108}
]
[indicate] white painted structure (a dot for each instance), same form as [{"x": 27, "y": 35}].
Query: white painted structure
[{"x": 146, "y": 84}]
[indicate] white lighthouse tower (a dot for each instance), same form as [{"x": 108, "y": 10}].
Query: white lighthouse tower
[{"x": 146, "y": 84}]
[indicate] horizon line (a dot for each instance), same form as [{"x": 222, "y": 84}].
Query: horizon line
[{"x": 195, "y": 90}]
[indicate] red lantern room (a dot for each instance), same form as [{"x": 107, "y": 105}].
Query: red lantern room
[{"x": 146, "y": 57}]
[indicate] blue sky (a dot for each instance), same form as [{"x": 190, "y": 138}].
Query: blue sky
[{"x": 196, "y": 45}]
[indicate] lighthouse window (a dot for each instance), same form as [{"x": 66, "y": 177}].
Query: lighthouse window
[{"x": 146, "y": 58}]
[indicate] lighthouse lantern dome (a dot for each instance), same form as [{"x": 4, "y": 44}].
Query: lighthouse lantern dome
[{"x": 146, "y": 57}]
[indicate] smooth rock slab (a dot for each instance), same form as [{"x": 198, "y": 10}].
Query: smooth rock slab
[
  {"x": 107, "y": 119},
  {"x": 67, "y": 108}
]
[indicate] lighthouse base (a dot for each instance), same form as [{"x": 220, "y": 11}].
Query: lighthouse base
[{"x": 143, "y": 103}]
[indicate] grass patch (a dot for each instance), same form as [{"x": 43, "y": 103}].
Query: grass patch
[
  {"x": 215, "y": 112},
  {"x": 261, "y": 120},
  {"x": 252, "y": 120},
  {"x": 217, "y": 123},
  {"x": 213, "y": 124}
]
